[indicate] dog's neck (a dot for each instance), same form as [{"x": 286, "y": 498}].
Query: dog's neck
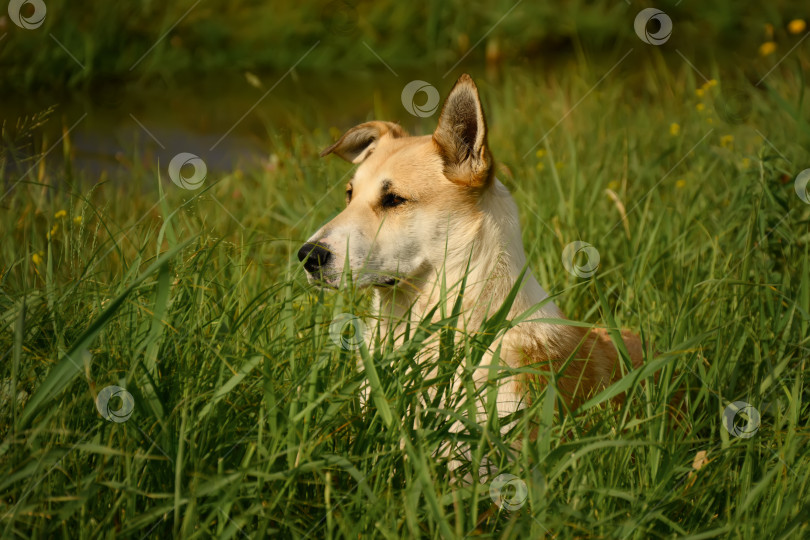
[{"x": 490, "y": 252}]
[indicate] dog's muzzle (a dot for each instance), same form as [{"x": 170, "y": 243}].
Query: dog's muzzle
[{"x": 314, "y": 256}]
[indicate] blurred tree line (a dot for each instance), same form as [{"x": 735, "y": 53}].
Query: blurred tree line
[{"x": 94, "y": 41}]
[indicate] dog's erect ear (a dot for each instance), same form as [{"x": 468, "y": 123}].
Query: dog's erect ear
[
  {"x": 356, "y": 144},
  {"x": 462, "y": 136}
]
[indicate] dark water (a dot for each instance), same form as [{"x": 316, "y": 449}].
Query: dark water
[{"x": 231, "y": 121}]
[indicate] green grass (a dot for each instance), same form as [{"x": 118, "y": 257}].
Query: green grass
[
  {"x": 102, "y": 45},
  {"x": 247, "y": 420}
]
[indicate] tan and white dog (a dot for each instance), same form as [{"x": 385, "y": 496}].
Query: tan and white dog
[{"x": 420, "y": 210}]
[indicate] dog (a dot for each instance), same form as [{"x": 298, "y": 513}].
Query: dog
[{"x": 422, "y": 211}]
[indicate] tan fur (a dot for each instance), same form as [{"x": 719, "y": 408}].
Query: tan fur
[
  {"x": 595, "y": 363},
  {"x": 352, "y": 144},
  {"x": 457, "y": 222}
]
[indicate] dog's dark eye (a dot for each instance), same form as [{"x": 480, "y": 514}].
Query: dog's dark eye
[
  {"x": 348, "y": 195},
  {"x": 391, "y": 201}
]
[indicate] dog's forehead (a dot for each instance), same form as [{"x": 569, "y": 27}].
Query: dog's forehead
[{"x": 402, "y": 162}]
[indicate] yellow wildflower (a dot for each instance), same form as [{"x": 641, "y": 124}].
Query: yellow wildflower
[
  {"x": 680, "y": 183},
  {"x": 769, "y": 47},
  {"x": 540, "y": 153},
  {"x": 54, "y": 230},
  {"x": 36, "y": 258},
  {"x": 60, "y": 214},
  {"x": 77, "y": 220},
  {"x": 796, "y": 26},
  {"x": 699, "y": 92},
  {"x": 710, "y": 83},
  {"x": 700, "y": 106},
  {"x": 540, "y": 165},
  {"x": 674, "y": 129},
  {"x": 727, "y": 141},
  {"x": 710, "y": 120}
]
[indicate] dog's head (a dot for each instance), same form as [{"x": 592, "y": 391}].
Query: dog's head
[{"x": 411, "y": 200}]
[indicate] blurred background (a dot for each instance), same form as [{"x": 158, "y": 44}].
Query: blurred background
[
  {"x": 217, "y": 38},
  {"x": 148, "y": 79}
]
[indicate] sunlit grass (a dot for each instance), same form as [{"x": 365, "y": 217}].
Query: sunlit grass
[{"x": 247, "y": 417}]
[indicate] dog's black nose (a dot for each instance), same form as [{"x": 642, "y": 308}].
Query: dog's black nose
[{"x": 314, "y": 256}]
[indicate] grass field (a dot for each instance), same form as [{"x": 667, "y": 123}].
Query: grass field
[
  {"x": 245, "y": 415},
  {"x": 230, "y": 36}
]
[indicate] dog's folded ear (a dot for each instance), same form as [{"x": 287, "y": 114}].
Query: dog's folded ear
[
  {"x": 461, "y": 136},
  {"x": 357, "y": 144}
]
